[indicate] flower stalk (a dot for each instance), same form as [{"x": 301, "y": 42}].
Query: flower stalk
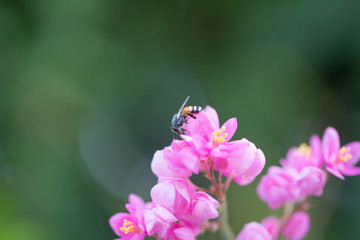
[{"x": 225, "y": 230}]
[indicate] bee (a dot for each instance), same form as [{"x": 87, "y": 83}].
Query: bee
[{"x": 178, "y": 120}]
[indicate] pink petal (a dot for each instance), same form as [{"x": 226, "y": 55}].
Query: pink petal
[
  {"x": 334, "y": 172},
  {"x": 276, "y": 187},
  {"x": 158, "y": 220},
  {"x": 254, "y": 231},
  {"x": 134, "y": 210},
  {"x": 297, "y": 160},
  {"x": 181, "y": 159},
  {"x": 350, "y": 170},
  {"x": 164, "y": 214},
  {"x": 231, "y": 149},
  {"x": 244, "y": 156},
  {"x": 316, "y": 154},
  {"x": 208, "y": 198},
  {"x": 182, "y": 202},
  {"x": 134, "y": 237},
  {"x": 201, "y": 145},
  {"x": 213, "y": 116},
  {"x": 204, "y": 207},
  {"x": 191, "y": 162},
  {"x": 311, "y": 181},
  {"x": 258, "y": 164},
  {"x": 331, "y": 144},
  {"x": 173, "y": 194},
  {"x": 204, "y": 125},
  {"x": 117, "y": 220},
  {"x": 230, "y": 128},
  {"x": 137, "y": 201},
  {"x": 184, "y": 233},
  {"x": 272, "y": 225},
  {"x": 202, "y": 211},
  {"x": 160, "y": 167},
  {"x": 164, "y": 194},
  {"x": 354, "y": 151},
  {"x": 220, "y": 163},
  {"x": 243, "y": 181},
  {"x": 256, "y": 167},
  {"x": 297, "y": 226}
]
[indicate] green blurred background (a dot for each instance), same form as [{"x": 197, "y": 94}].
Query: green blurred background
[{"x": 88, "y": 89}]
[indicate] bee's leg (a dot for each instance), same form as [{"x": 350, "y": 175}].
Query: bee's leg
[
  {"x": 191, "y": 115},
  {"x": 182, "y": 131}
]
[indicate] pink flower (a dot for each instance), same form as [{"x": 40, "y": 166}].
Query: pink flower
[
  {"x": 179, "y": 231},
  {"x": 311, "y": 181},
  {"x": 282, "y": 185},
  {"x": 340, "y": 161},
  {"x": 158, "y": 220},
  {"x": 272, "y": 225},
  {"x": 190, "y": 207},
  {"x": 173, "y": 194},
  {"x": 297, "y": 226},
  {"x": 304, "y": 155},
  {"x": 130, "y": 226},
  {"x": 182, "y": 158},
  {"x": 209, "y": 139},
  {"x": 254, "y": 231},
  {"x": 203, "y": 208},
  {"x": 247, "y": 164},
  {"x": 144, "y": 219},
  {"x": 160, "y": 167},
  {"x": 178, "y": 160},
  {"x": 277, "y": 187}
]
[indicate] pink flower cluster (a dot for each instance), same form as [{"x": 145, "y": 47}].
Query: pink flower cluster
[
  {"x": 205, "y": 147},
  {"x": 295, "y": 228},
  {"x": 179, "y": 209},
  {"x": 176, "y": 212},
  {"x": 303, "y": 173}
]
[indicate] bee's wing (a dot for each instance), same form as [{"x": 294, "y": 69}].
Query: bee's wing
[{"x": 182, "y": 106}]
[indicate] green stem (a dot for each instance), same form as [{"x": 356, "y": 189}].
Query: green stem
[{"x": 225, "y": 229}]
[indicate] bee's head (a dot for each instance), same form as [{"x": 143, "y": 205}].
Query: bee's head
[{"x": 176, "y": 123}]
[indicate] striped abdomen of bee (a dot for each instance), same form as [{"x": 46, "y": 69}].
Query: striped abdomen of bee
[{"x": 190, "y": 110}]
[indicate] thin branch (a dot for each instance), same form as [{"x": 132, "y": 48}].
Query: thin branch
[
  {"x": 225, "y": 230},
  {"x": 200, "y": 188}
]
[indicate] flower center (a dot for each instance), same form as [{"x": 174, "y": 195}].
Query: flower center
[
  {"x": 304, "y": 149},
  {"x": 128, "y": 227},
  {"x": 344, "y": 154},
  {"x": 220, "y": 135}
]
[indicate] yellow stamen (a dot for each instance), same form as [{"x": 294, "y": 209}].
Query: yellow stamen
[
  {"x": 219, "y": 139},
  {"x": 216, "y": 132},
  {"x": 219, "y": 135},
  {"x": 304, "y": 149},
  {"x": 344, "y": 154},
  {"x": 128, "y": 227}
]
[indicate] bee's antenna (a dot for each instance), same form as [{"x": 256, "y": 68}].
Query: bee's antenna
[{"x": 182, "y": 106}]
